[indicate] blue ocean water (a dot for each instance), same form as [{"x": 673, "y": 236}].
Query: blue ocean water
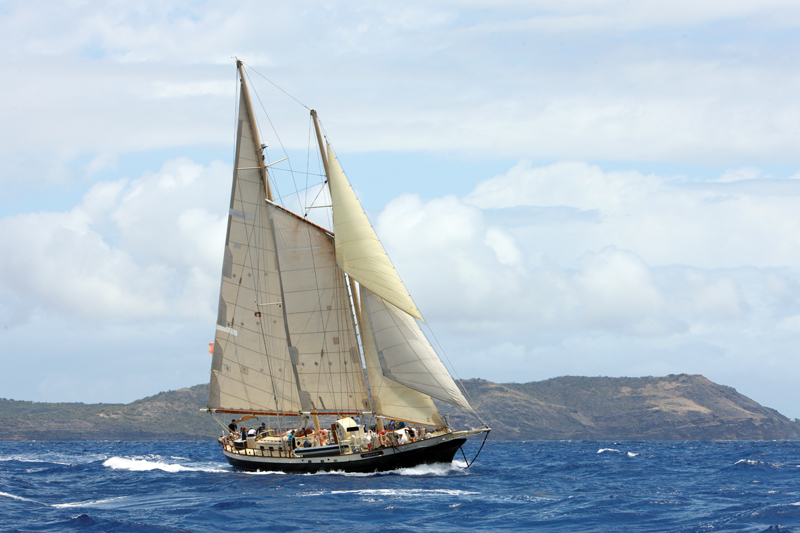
[{"x": 514, "y": 486}]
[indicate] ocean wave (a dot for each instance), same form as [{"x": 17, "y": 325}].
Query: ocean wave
[
  {"x": 405, "y": 493},
  {"x": 756, "y": 462},
  {"x": 84, "y": 504},
  {"x": 603, "y": 450},
  {"x": 436, "y": 469},
  {"x": 53, "y": 458},
  {"x": 20, "y": 498},
  {"x": 614, "y": 450},
  {"x": 145, "y": 465},
  {"x": 58, "y": 505}
]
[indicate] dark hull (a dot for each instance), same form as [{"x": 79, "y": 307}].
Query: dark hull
[{"x": 380, "y": 460}]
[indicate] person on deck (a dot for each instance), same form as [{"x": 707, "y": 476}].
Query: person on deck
[{"x": 232, "y": 426}]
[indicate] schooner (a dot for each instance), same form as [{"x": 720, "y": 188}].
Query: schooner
[{"x": 317, "y": 334}]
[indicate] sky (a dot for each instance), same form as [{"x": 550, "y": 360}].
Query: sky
[{"x": 595, "y": 188}]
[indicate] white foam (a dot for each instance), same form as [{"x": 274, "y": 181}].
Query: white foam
[
  {"x": 15, "y": 497},
  {"x": 602, "y": 450},
  {"x": 406, "y": 493},
  {"x": 748, "y": 462},
  {"x": 145, "y": 465},
  {"x": 437, "y": 469},
  {"x": 85, "y": 504},
  {"x": 59, "y": 505},
  {"x": 54, "y": 458}
]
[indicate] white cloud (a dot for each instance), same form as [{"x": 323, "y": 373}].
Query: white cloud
[
  {"x": 132, "y": 249},
  {"x": 546, "y": 268},
  {"x": 160, "y": 75},
  {"x": 582, "y": 298}
]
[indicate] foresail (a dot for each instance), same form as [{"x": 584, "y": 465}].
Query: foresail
[
  {"x": 405, "y": 355},
  {"x": 358, "y": 250},
  {"x": 242, "y": 376},
  {"x": 392, "y": 399},
  {"x": 316, "y": 303}
]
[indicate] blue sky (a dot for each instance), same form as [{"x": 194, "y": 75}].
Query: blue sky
[{"x": 589, "y": 188}]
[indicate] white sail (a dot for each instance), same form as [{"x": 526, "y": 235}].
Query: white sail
[
  {"x": 390, "y": 398},
  {"x": 358, "y": 250},
  {"x": 321, "y": 334},
  {"x": 405, "y": 355},
  {"x": 242, "y": 376},
  {"x": 285, "y": 337}
]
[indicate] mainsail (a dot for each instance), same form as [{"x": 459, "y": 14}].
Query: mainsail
[{"x": 285, "y": 337}]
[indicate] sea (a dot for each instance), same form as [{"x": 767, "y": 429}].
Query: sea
[{"x": 562, "y": 486}]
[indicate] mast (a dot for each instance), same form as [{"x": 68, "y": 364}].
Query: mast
[
  {"x": 353, "y": 290},
  {"x": 256, "y": 139}
]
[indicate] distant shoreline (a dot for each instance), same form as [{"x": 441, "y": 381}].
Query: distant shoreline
[{"x": 670, "y": 408}]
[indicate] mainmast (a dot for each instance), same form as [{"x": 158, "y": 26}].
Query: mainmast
[{"x": 254, "y": 130}]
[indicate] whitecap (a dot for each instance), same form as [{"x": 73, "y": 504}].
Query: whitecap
[
  {"x": 15, "y": 497},
  {"x": 145, "y": 465},
  {"x": 406, "y": 493},
  {"x": 436, "y": 469},
  {"x": 85, "y": 504},
  {"x": 602, "y": 450}
]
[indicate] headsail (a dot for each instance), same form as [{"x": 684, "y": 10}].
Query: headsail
[
  {"x": 405, "y": 355},
  {"x": 393, "y": 399},
  {"x": 358, "y": 250}
]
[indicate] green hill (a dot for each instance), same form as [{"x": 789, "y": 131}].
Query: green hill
[{"x": 682, "y": 407}]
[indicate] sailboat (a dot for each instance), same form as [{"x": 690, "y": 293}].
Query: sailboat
[{"x": 317, "y": 337}]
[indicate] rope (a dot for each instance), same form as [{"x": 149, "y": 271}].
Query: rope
[
  {"x": 453, "y": 368},
  {"x": 469, "y": 464},
  {"x": 276, "y": 86}
]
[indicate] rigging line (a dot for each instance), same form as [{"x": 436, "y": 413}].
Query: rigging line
[
  {"x": 343, "y": 373},
  {"x": 275, "y": 391},
  {"x": 319, "y": 163},
  {"x": 349, "y": 298},
  {"x": 276, "y": 86},
  {"x": 291, "y": 193},
  {"x": 469, "y": 464},
  {"x": 308, "y": 159},
  {"x": 344, "y": 316},
  {"x": 264, "y": 109},
  {"x": 252, "y": 243},
  {"x": 264, "y": 339},
  {"x": 235, "y": 116},
  {"x": 460, "y": 381}
]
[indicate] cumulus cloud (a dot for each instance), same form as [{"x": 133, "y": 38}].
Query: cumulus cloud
[
  {"x": 131, "y": 82},
  {"x": 133, "y": 249},
  {"x": 573, "y": 269},
  {"x": 541, "y": 270}
]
